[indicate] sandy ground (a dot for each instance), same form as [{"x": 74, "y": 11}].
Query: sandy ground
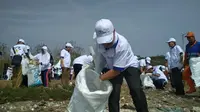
[{"x": 158, "y": 101}]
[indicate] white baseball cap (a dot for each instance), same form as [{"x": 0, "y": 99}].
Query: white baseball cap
[
  {"x": 69, "y": 45},
  {"x": 149, "y": 67},
  {"x": 21, "y": 40},
  {"x": 45, "y": 48},
  {"x": 148, "y": 59},
  {"x": 171, "y": 40},
  {"x": 104, "y": 31}
]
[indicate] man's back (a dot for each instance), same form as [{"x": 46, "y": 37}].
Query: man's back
[{"x": 19, "y": 49}]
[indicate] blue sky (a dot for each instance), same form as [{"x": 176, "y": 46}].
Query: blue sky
[{"x": 147, "y": 24}]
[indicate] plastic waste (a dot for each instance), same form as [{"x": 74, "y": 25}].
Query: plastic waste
[{"x": 89, "y": 94}]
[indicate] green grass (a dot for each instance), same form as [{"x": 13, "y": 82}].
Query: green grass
[{"x": 34, "y": 94}]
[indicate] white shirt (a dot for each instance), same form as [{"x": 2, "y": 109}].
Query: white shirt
[
  {"x": 174, "y": 60},
  {"x": 84, "y": 59},
  {"x": 67, "y": 58},
  {"x": 120, "y": 56},
  {"x": 162, "y": 75},
  {"x": 44, "y": 59},
  {"x": 20, "y": 49}
]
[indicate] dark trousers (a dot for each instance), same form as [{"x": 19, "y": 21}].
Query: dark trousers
[
  {"x": 132, "y": 76},
  {"x": 25, "y": 80},
  {"x": 171, "y": 80},
  {"x": 45, "y": 77},
  {"x": 77, "y": 69},
  {"x": 159, "y": 83},
  {"x": 178, "y": 83}
]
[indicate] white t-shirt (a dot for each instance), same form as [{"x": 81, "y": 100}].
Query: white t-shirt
[
  {"x": 44, "y": 59},
  {"x": 162, "y": 75},
  {"x": 20, "y": 49},
  {"x": 174, "y": 60},
  {"x": 67, "y": 58},
  {"x": 143, "y": 63},
  {"x": 84, "y": 59},
  {"x": 120, "y": 56}
]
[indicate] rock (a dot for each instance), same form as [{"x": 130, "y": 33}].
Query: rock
[{"x": 197, "y": 109}]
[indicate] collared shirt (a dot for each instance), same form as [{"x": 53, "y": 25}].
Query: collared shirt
[
  {"x": 162, "y": 75},
  {"x": 67, "y": 58},
  {"x": 19, "y": 49},
  {"x": 175, "y": 57},
  {"x": 193, "y": 50},
  {"x": 120, "y": 55}
]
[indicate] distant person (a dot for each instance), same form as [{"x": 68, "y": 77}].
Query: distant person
[
  {"x": 158, "y": 77},
  {"x": 176, "y": 57},
  {"x": 143, "y": 63},
  {"x": 192, "y": 51},
  {"x": 17, "y": 53},
  {"x": 65, "y": 60},
  {"x": 43, "y": 59},
  {"x": 79, "y": 62},
  {"x": 115, "y": 54}
]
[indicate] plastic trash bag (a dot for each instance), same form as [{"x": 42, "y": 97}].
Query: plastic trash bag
[
  {"x": 58, "y": 69},
  {"x": 34, "y": 78},
  {"x": 195, "y": 69},
  {"x": 9, "y": 73},
  {"x": 146, "y": 80},
  {"x": 90, "y": 94}
]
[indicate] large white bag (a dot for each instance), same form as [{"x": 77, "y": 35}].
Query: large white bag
[
  {"x": 195, "y": 69},
  {"x": 34, "y": 78},
  {"x": 146, "y": 80},
  {"x": 89, "y": 95}
]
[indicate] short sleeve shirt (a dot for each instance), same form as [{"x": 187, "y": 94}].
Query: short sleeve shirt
[
  {"x": 175, "y": 57},
  {"x": 67, "y": 58},
  {"x": 120, "y": 56},
  {"x": 193, "y": 51},
  {"x": 19, "y": 49}
]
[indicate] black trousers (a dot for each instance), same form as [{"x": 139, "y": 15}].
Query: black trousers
[
  {"x": 178, "y": 83},
  {"x": 25, "y": 80},
  {"x": 159, "y": 83},
  {"x": 77, "y": 69},
  {"x": 132, "y": 76}
]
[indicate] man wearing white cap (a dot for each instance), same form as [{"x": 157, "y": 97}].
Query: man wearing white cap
[
  {"x": 144, "y": 63},
  {"x": 79, "y": 62},
  {"x": 116, "y": 56},
  {"x": 175, "y": 63},
  {"x": 65, "y": 58},
  {"x": 17, "y": 52},
  {"x": 43, "y": 59}
]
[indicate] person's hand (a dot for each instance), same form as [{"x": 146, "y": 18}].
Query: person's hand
[{"x": 37, "y": 62}]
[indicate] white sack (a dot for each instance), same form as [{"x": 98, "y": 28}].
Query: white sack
[
  {"x": 146, "y": 80},
  {"x": 195, "y": 69},
  {"x": 89, "y": 95},
  {"x": 34, "y": 78}
]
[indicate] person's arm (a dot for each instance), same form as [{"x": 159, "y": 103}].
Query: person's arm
[
  {"x": 11, "y": 53},
  {"x": 109, "y": 75},
  {"x": 142, "y": 66},
  {"x": 157, "y": 75},
  {"x": 181, "y": 53},
  {"x": 119, "y": 63},
  {"x": 62, "y": 54}
]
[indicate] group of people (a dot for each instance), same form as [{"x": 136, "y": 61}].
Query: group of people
[
  {"x": 20, "y": 53},
  {"x": 115, "y": 60}
]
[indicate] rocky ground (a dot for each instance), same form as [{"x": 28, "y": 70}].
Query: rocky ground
[{"x": 158, "y": 101}]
